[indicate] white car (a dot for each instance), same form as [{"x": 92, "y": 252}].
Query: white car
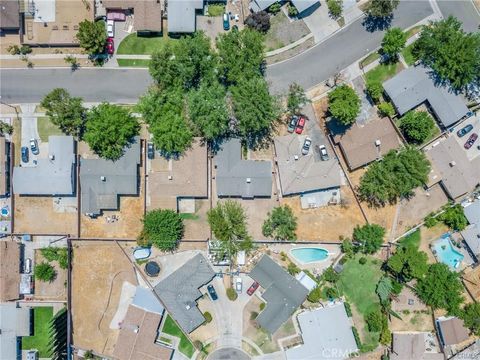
[
  {"x": 110, "y": 28},
  {"x": 28, "y": 266},
  {"x": 238, "y": 285}
]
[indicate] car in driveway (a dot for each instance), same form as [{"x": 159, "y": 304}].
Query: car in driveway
[
  {"x": 253, "y": 288},
  {"x": 471, "y": 140},
  {"x": 110, "y": 46},
  {"x": 110, "y": 28},
  {"x": 292, "y": 124},
  {"x": 150, "y": 151},
  {"x": 323, "y": 152},
  {"x": 25, "y": 154},
  {"x": 28, "y": 266},
  {"x": 226, "y": 22},
  {"x": 238, "y": 284},
  {"x": 306, "y": 146},
  {"x": 212, "y": 292},
  {"x": 300, "y": 125},
  {"x": 34, "y": 146},
  {"x": 465, "y": 130}
]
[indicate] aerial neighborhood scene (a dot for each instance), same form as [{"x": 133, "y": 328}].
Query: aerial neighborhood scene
[{"x": 239, "y": 179}]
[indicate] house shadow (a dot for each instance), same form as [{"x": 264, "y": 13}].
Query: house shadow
[{"x": 309, "y": 11}]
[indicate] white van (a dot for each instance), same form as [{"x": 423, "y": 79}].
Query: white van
[{"x": 27, "y": 266}]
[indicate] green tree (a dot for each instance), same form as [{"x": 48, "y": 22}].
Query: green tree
[
  {"x": 275, "y": 8},
  {"x": 344, "y": 104},
  {"x": 335, "y": 8},
  {"x": 296, "y": 98},
  {"x": 454, "y": 218},
  {"x": 59, "y": 254},
  {"x": 163, "y": 228},
  {"x": 228, "y": 222},
  {"x": 439, "y": 41},
  {"x": 259, "y": 21},
  {"x": 384, "y": 289},
  {"x": 381, "y": 8},
  {"x": 369, "y": 237},
  {"x": 393, "y": 42},
  {"x": 92, "y": 36},
  {"x": 347, "y": 248},
  {"x": 315, "y": 295},
  {"x": 65, "y": 111},
  {"x": 417, "y": 126},
  {"x": 292, "y": 10},
  {"x": 45, "y": 272},
  {"x": 375, "y": 90},
  {"x": 386, "y": 109},
  {"x": 110, "y": 128},
  {"x": 374, "y": 321},
  {"x": 471, "y": 317},
  {"x": 330, "y": 275},
  {"x": 441, "y": 289},
  {"x": 281, "y": 224},
  {"x": 408, "y": 263}
]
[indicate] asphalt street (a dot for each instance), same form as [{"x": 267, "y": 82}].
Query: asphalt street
[{"x": 463, "y": 10}]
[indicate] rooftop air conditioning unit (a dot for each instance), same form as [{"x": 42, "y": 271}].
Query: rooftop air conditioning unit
[
  {"x": 51, "y": 157},
  {"x": 452, "y": 163},
  {"x": 103, "y": 178},
  {"x": 170, "y": 177},
  {"x": 378, "y": 143},
  {"x": 296, "y": 157},
  {"x": 249, "y": 180}
]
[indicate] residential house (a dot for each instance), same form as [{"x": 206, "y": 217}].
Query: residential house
[
  {"x": 471, "y": 234},
  {"x": 470, "y": 352},
  {"x": 363, "y": 144},
  {"x": 9, "y": 270},
  {"x": 414, "y": 345},
  {"x": 9, "y": 17},
  {"x": 146, "y": 14},
  {"x": 53, "y": 175},
  {"x": 179, "y": 292},
  {"x": 236, "y": 177},
  {"x": 326, "y": 334},
  {"x": 451, "y": 330},
  {"x": 416, "y": 86},
  {"x": 4, "y": 167},
  {"x": 304, "y": 7},
  {"x": 283, "y": 293},
  {"x": 103, "y": 181},
  {"x": 14, "y": 323}
]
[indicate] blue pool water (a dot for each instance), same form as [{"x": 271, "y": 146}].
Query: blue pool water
[
  {"x": 309, "y": 255},
  {"x": 446, "y": 253}
]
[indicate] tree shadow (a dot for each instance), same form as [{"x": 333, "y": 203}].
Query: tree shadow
[{"x": 374, "y": 23}]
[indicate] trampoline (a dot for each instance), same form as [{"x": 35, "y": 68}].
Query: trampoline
[{"x": 152, "y": 269}]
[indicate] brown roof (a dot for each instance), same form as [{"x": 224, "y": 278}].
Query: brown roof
[
  {"x": 452, "y": 331},
  {"x": 147, "y": 14},
  {"x": 138, "y": 333},
  {"x": 3, "y": 166},
  {"x": 9, "y": 270},
  {"x": 358, "y": 142},
  {"x": 9, "y": 14},
  {"x": 409, "y": 346}
]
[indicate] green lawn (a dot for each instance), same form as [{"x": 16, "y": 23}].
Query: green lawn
[
  {"x": 171, "y": 328},
  {"x": 383, "y": 72},
  {"x": 46, "y": 128},
  {"x": 369, "y": 59},
  {"x": 407, "y": 55},
  {"x": 141, "y": 45},
  {"x": 133, "y": 62},
  {"x": 412, "y": 240},
  {"x": 414, "y": 30},
  {"x": 41, "y": 338},
  {"x": 188, "y": 216},
  {"x": 216, "y": 9}
]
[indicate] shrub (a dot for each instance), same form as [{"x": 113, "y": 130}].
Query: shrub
[
  {"x": 347, "y": 248},
  {"x": 344, "y": 104},
  {"x": 232, "y": 294},
  {"x": 370, "y": 237},
  {"x": 293, "y": 269},
  {"x": 417, "y": 126},
  {"x": 25, "y": 49},
  {"x": 45, "y": 272},
  {"x": 262, "y": 306},
  {"x": 259, "y": 21},
  {"x": 374, "y": 321},
  {"x": 56, "y": 254},
  {"x": 454, "y": 218},
  {"x": 348, "y": 309},
  {"x": 292, "y": 10},
  {"x": 362, "y": 260},
  {"x": 315, "y": 295},
  {"x": 386, "y": 109},
  {"x": 356, "y": 336},
  {"x": 430, "y": 221},
  {"x": 207, "y": 316},
  {"x": 397, "y": 287},
  {"x": 274, "y": 8},
  {"x": 335, "y": 8},
  {"x": 330, "y": 275},
  {"x": 14, "y": 50},
  {"x": 375, "y": 90},
  {"x": 163, "y": 228},
  {"x": 331, "y": 293},
  {"x": 253, "y": 315}
]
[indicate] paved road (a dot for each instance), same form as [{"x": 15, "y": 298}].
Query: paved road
[
  {"x": 229, "y": 354},
  {"x": 463, "y": 10}
]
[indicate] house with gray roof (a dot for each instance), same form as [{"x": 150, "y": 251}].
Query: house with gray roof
[
  {"x": 301, "y": 5},
  {"x": 14, "y": 323},
  {"x": 53, "y": 174},
  {"x": 236, "y": 177},
  {"x": 471, "y": 234},
  {"x": 182, "y": 14},
  {"x": 103, "y": 181},
  {"x": 145, "y": 299},
  {"x": 282, "y": 292},
  {"x": 326, "y": 333},
  {"x": 415, "y": 86},
  {"x": 179, "y": 292}
]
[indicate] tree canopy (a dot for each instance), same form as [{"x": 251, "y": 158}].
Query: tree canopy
[
  {"x": 471, "y": 317},
  {"x": 417, "y": 126},
  {"x": 344, "y": 104},
  {"x": 45, "y": 272},
  {"x": 281, "y": 224},
  {"x": 396, "y": 175},
  {"x": 92, "y": 36},
  {"x": 408, "y": 263},
  {"x": 453, "y": 54},
  {"x": 369, "y": 237},
  {"x": 65, "y": 111},
  {"x": 454, "y": 218},
  {"x": 382, "y": 8},
  {"x": 259, "y": 21},
  {"x": 384, "y": 289},
  {"x": 163, "y": 228},
  {"x": 393, "y": 42},
  {"x": 296, "y": 98},
  {"x": 110, "y": 128}
]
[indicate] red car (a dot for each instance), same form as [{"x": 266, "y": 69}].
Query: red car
[
  {"x": 252, "y": 288},
  {"x": 110, "y": 47},
  {"x": 471, "y": 140},
  {"x": 300, "y": 125}
]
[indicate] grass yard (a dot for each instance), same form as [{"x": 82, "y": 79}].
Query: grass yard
[
  {"x": 188, "y": 216},
  {"x": 133, "y": 62},
  {"x": 412, "y": 240},
  {"x": 216, "y": 9},
  {"x": 407, "y": 55},
  {"x": 369, "y": 59},
  {"x": 141, "y": 45},
  {"x": 383, "y": 72},
  {"x": 414, "y": 30},
  {"x": 47, "y": 128},
  {"x": 283, "y": 32},
  {"x": 171, "y": 328},
  {"x": 41, "y": 337}
]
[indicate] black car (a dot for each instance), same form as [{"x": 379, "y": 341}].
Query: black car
[
  {"x": 465, "y": 130},
  {"x": 25, "y": 154},
  {"x": 212, "y": 292},
  {"x": 150, "y": 151}
]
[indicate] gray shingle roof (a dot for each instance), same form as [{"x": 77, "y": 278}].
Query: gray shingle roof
[
  {"x": 303, "y": 5},
  {"x": 145, "y": 299},
  {"x": 121, "y": 178},
  {"x": 259, "y": 5},
  {"x": 283, "y": 293},
  {"x": 180, "y": 291},
  {"x": 414, "y": 86},
  {"x": 182, "y": 15},
  {"x": 472, "y": 233},
  {"x": 53, "y": 175},
  {"x": 14, "y": 322},
  {"x": 241, "y": 178},
  {"x": 472, "y": 212}
]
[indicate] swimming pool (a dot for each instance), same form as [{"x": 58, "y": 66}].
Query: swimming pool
[
  {"x": 446, "y": 253},
  {"x": 309, "y": 255}
]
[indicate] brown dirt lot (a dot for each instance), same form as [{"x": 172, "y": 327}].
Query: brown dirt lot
[
  {"x": 99, "y": 271},
  {"x": 197, "y": 228},
  {"x": 471, "y": 280},
  {"x": 31, "y": 212},
  {"x": 55, "y": 290},
  {"x": 414, "y": 321}
]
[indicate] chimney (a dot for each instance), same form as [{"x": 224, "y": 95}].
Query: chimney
[
  {"x": 103, "y": 178},
  {"x": 170, "y": 177}
]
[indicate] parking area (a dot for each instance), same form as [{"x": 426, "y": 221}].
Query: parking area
[
  {"x": 30, "y": 131},
  {"x": 474, "y": 150}
]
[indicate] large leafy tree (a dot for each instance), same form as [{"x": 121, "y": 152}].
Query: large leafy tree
[
  {"x": 259, "y": 21},
  {"x": 296, "y": 98},
  {"x": 162, "y": 228},
  {"x": 228, "y": 222},
  {"x": 92, "y": 36},
  {"x": 393, "y": 42},
  {"x": 396, "y": 175},
  {"x": 384, "y": 290},
  {"x": 65, "y": 111},
  {"x": 471, "y": 317},
  {"x": 454, "y": 218},
  {"x": 45, "y": 272},
  {"x": 453, "y": 54},
  {"x": 344, "y": 104},
  {"x": 369, "y": 237},
  {"x": 441, "y": 289},
  {"x": 110, "y": 128},
  {"x": 408, "y": 263},
  {"x": 417, "y": 126},
  {"x": 382, "y": 8},
  {"x": 281, "y": 224}
]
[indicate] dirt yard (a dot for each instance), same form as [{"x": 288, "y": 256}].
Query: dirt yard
[
  {"x": 31, "y": 212},
  {"x": 55, "y": 290},
  {"x": 196, "y": 226},
  {"x": 205, "y": 333},
  {"x": 99, "y": 271},
  {"x": 471, "y": 280}
]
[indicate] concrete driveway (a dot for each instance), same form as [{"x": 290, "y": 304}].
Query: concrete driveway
[
  {"x": 29, "y": 130},
  {"x": 320, "y": 23}
]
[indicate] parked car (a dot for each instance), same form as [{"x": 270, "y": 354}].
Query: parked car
[
  {"x": 465, "y": 130},
  {"x": 109, "y": 46},
  {"x": 212, "y": 292},
  {"x": 306, "y": 146},
  {"x": 34, "y": 146},
  {"x": 323, "y": 153},
  {"x": 110, "y": 28},
  {"x": 300, "y": 125},
  {"x": 226, "y": 22},
  {"x": 238, "y": 284},
  {"x": 253, "y": 288},
  {"x": 292, "y": 123},
  {"x": 27, "y": 266},
  {"x": 25, "y": 154},
  {"x": 471, "y": 140},
  {"x": 150, "y": 151}
]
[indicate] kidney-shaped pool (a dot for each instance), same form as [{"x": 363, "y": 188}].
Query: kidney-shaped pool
[{"x": 309, "y": 255}]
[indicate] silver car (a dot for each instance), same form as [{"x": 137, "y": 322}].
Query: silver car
[
  {"x": 306, "y": 146},
  {"x": 323, "y": 152}
]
